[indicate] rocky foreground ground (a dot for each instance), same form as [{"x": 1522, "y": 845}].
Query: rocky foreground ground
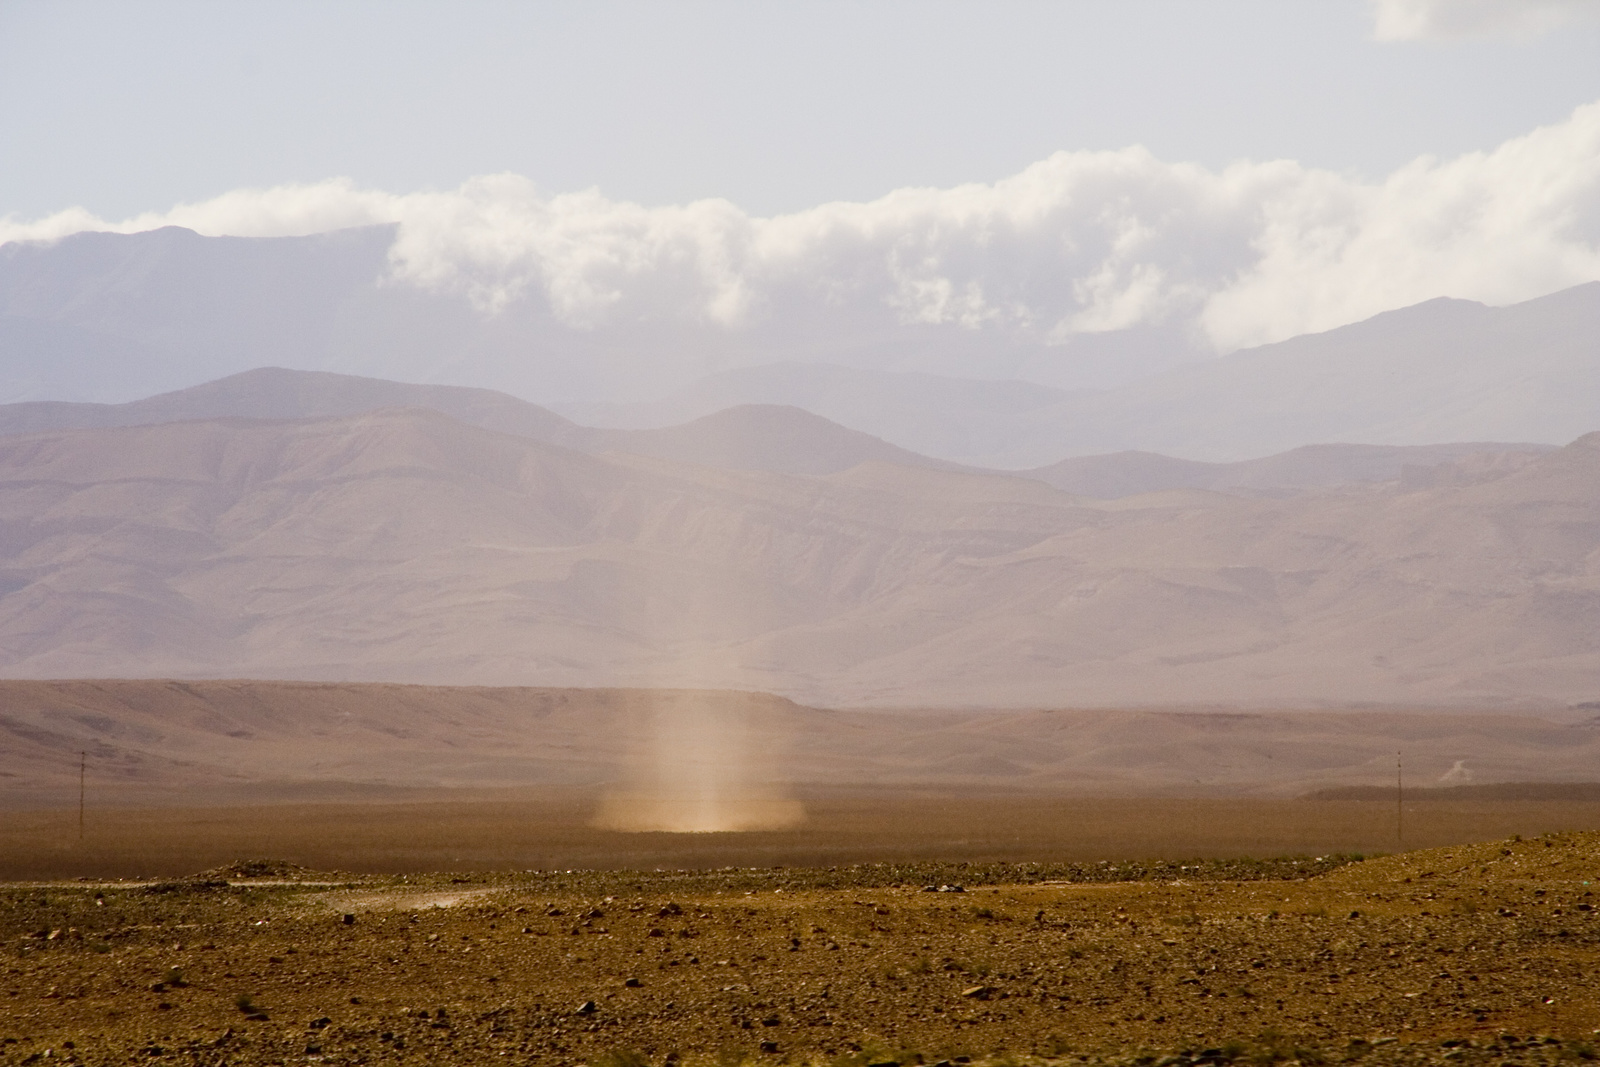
[{"x": 1484, "y": 953}]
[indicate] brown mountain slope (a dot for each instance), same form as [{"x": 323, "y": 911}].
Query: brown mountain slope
[{"x": 405, "y": 546}]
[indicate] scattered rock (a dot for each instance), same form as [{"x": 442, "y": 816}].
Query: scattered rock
[
  {"x": 257, "y": 869},
  {"x": 192, "y": 885}
]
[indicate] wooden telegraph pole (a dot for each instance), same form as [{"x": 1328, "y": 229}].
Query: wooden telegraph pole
[{"x": 1399, "y": 803}]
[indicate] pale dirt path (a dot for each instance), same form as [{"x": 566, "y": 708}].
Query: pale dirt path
[{"x": 403, "y": 899}]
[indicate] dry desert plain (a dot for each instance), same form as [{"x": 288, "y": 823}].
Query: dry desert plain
[
  {"x": 406, "y": 920},
  {"x": 1465, "y": 954}
]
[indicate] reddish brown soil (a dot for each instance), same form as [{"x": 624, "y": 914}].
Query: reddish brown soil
[{"x": 1457, "y": 954}]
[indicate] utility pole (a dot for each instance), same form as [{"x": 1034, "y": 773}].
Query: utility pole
[
  {"x": 83, "y": 771},
  {"x": 1399, "y": 803}
]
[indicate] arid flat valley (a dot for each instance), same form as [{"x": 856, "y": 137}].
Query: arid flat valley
[
  {"x": 269, "y": 872},
  {"x": 1475, "y": 954}
]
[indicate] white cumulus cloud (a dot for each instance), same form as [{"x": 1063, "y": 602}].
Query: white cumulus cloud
[
  {"x": 1422, "y": 20},
  {"x": 286, "y": 210},
  {"x": 1081, "y": 242}
]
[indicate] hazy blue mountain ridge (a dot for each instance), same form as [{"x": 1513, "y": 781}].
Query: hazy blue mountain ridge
[
  {"x": 114, "y": 317},
  {"x": 744, "y": 437}
]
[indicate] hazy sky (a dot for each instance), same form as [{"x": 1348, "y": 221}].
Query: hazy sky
[
  {"x": 128, "y": 106},
  {"x": 1211, "y": 175}
]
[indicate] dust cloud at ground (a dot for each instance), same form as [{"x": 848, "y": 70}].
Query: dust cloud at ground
[
  {"x": 695, "y": 769},
  {"x": 699, "y": 761}
]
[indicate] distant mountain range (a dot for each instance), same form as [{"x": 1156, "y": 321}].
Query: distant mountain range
[
  {"x": 114, "y": 317},
  {"x": 765, "y": 437},
  {"x": 1279, "y": 525},
  {"x": 749, "y": 437},
  {"x": 1446, "y": 370},
  {"x": 407, "y": 545}
]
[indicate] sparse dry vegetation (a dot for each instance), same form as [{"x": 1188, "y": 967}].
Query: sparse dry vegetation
[{"x": 1464, "y": 954}]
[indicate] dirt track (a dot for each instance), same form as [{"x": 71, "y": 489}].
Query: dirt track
[{"x": 1429, "y": 949}]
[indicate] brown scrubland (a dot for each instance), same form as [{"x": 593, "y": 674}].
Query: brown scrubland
[{"x": 1470, "y": 953}]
